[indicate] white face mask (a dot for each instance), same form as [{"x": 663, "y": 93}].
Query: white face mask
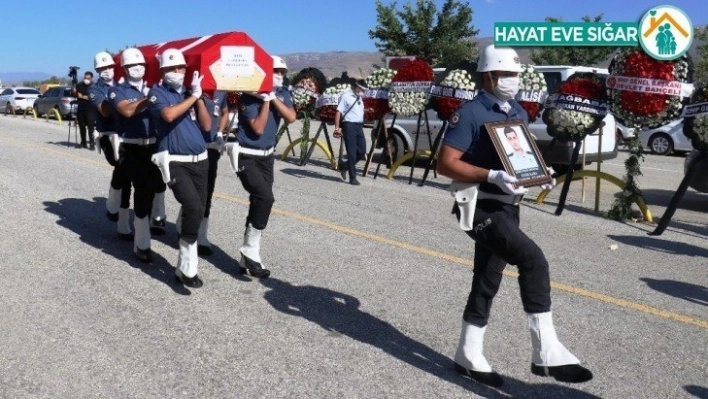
[
  {"x": 87, "y": 82},
  {"x": 277, "y": 80},
  {"x": 506, "y": 88},
  {"x": 174, "y": 79},
  {"x": 107, "y": 75},
  {"x": 136, "y": 72}
]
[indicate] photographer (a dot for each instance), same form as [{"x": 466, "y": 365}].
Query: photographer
[{"x": 84, "y": 110}]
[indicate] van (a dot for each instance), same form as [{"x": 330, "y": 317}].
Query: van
[{"x": 558, "y": 154}]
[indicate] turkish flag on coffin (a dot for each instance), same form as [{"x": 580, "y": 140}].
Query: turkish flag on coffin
[{"x": 229, "y": 61}]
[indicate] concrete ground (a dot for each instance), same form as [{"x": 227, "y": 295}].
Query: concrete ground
[{"x": 366, "y": 295}]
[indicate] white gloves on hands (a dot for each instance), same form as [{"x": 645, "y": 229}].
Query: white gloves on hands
[
  {"x": 506, "y": 182},
  {"x": 146, "y": 89},
  {"x": 220, "y": 142},
  {"x": 121, "y": 80},
  {"x": 552, "y": 184},
  {"x": 197, "y": 84}
]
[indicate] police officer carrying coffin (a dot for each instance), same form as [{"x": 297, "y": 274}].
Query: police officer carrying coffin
[
  {"x": 180, "y": 116},
  {"x": 118, "y": 202},
  {"x": 219, "y": 112},
  {"x": 139, "y": 142},
  {"x": 258, "y": 119},
  {"x": 468, "y": 156},
  {"x": 350, "y": 117}
]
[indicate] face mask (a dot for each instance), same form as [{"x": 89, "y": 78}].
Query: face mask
[
  {"x": 136, "y": 72},
  {"x": 174, "y": 79},
  {"x": 506, "y": 88},
  {"x": 87, "y": 82},
  {"x": 277, "y": 81},
  {"x": 107, "y": 75}
]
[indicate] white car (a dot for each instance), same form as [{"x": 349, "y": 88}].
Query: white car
[
  {"x": 666, "y": 139},
  {"x": 18, "y": 98}
]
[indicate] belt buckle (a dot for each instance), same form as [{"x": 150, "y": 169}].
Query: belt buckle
[{"x": 516, "y": 200}]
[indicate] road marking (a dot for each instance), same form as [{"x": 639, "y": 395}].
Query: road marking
[{"x": 665, "y": 314}]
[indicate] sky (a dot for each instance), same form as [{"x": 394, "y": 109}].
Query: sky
[{"x": 50, "y": 35}]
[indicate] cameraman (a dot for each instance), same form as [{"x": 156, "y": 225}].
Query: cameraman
[{"x": 84, "y": 110}]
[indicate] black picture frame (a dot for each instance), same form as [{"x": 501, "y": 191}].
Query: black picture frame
[{"x": 518, "y": 152}]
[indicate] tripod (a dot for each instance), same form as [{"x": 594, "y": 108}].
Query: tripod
[{"x": 74, "y": 105}]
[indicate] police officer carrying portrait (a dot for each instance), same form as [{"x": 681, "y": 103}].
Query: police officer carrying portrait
[
  {"x": 118, "y": 202},
  {"x": 139, "y": 142},
  {"x": 180, "y": 117},
  {"x": 468, "y": 156},
  {"x": 258, "y": 119},
  {"x": 349, "y": 124}
]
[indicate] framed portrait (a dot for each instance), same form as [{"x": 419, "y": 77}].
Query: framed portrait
[{"x": 518, "y": 152}]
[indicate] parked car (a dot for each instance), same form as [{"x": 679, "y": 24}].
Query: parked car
[
  {"x": 700, "y": 179},
  {"x": 59, "y": 98},
  {"x": 666, "y": 139},
  {"x": 18, "y": 98},
  {"x": 402, "y": 133}
]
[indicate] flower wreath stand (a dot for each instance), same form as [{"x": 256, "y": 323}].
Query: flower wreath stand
[
  {"x": 695, "y": 127},
  {"x": 310, "y": 143},
  {"x": 413, "y": 155},
  {"x": 381, "y": 132},
  {"x": 285, "y": 128}
]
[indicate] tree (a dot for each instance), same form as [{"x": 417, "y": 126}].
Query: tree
[
  {"x": 701, "y": 62},
  {"x": 571, "y": 55},
  {"x": 440, "y": 38}
]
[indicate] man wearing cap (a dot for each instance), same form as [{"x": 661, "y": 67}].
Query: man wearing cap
[
  {"x": 180, "y": 116},
  {"x": 258, "y": 119},
  {"x": 349, "y": 123},
  {"x": 118, "y": 201},
  {"x": 139, "y": 142},
  {"x": 468, "y": 156}
]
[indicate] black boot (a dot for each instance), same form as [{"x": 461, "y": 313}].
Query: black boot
[
  {"x": 253, "y": 267},
  {"x": 573, "y": 373}
]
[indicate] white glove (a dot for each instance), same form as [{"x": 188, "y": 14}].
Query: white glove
[
  {"x": 219, "y": 140},
  {"x": 505, "y": 182},
  {"x": 197, "y": 84},
  {"x": 264, "y": 96},
  {"x": 121, "y": 80},
  {"x": 146, "y": 89},
  {"x": 552, "y": 184}
]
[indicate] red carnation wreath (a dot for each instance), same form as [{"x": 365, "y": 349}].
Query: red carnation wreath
[
  {"x": 376, "y": 98},
  {"x": 458, "y": 86},
  {"x": 577, "y": 109},
  {"x": 410, "y": 89}
]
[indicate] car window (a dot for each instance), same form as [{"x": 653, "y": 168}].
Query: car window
[
  {"x": 27, "y": 91},
  {"x": 6, "y": 92},
  {"x": 67, "y": 92},
  {"x": 48, "y": 93},
  {"x": 553, "y": 81}
]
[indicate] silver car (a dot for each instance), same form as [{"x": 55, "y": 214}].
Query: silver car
[
  {"x": 666, "y": 139},
  {"x": 18, "y": 98},
  {"x": 59, "y": 98}
]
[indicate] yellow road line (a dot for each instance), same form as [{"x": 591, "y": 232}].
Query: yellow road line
[{"x": 665, "y": 314}]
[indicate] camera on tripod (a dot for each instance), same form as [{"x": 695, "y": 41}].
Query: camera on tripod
[{"x": 73, "y": 72}]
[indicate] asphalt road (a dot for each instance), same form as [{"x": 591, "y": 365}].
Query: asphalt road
[{"x": 365, "y": 300}]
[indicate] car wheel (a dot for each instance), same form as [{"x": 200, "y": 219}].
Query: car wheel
[
  {"x": 396, "y": 146},
  {"x": 36, "y": 111},
  {"x": 7, "y": 106},
  {"x": 661, "y": 144}
]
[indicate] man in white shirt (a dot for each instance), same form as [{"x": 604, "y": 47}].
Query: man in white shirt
[{"x": 349, "y": 122}]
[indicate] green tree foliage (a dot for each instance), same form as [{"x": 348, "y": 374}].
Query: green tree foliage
[
  {"x": 37, "y": 83},
  {"x": 441, "y": 37},
  {"x": 701, "y": 62},
  {"x": 571, "y": 55}
]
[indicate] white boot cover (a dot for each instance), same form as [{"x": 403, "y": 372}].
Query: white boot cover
[
  {"x": 113, "y": 200},
  {"x": 188, "y": 259},
  {"x": 178, "y": 222},
  {"x": 158, "y": 206},
  {"x": 469, "y": 350},
  {"x": 202, "y": 235},
  {"x": 123, "y": 221},
  {"x": 547, "y": 350},
  {"x": 252, "y": 244},
  {"x": 142, "y": 233}
]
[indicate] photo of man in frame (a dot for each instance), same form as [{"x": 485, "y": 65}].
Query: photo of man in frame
[{"x": 520, "y": 156}]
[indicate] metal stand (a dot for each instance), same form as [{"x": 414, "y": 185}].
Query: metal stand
[
  {"x": 433, "y": 153},
  {"x": 380, "y": 126},
  {"x": 568, "y": 178},
  {"x": 286, "y": 127},
  {"x": 323, "y": 127},
  {"x": 74, "y": 112},
  {"x": 378, "y": 167}
]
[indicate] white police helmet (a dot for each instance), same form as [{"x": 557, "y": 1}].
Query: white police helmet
[
  {"x": 499, "y": 59},
  {"x": 103, "y": 59},
  {"x": 131, "y": 56},
  {"x": 172, "y": 57},
  {"x": 279, "y": 63}
]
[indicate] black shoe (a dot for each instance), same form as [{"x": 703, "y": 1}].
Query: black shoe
[
  {"x": 355, "y": 183},
  {"x": 343, "y": 172},
  {"x": 255, "y": 268},
  {"x": 192, "y": 282},
  {"x": 92, "y": 147},
  {"x": 113, "y": 217},
  {"x": 566, "y": 373},
  {"x": 126, "y": 236},
  {"x": 145, "y": 255},
  {"x": 204, "y": 250},
  {"x": 158, "y": 227},
  {"x": 492, "y": 379}
]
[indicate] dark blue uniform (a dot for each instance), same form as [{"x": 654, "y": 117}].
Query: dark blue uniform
[
  {"x": 215, "y": 107},
  {"x": 98, "y": 93},
  {"x": 182, "y": 137},
  {"x": 256, "y": 172},
  {"x": 498, "y": 239},
  {"x": 143, "y": 173}
]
